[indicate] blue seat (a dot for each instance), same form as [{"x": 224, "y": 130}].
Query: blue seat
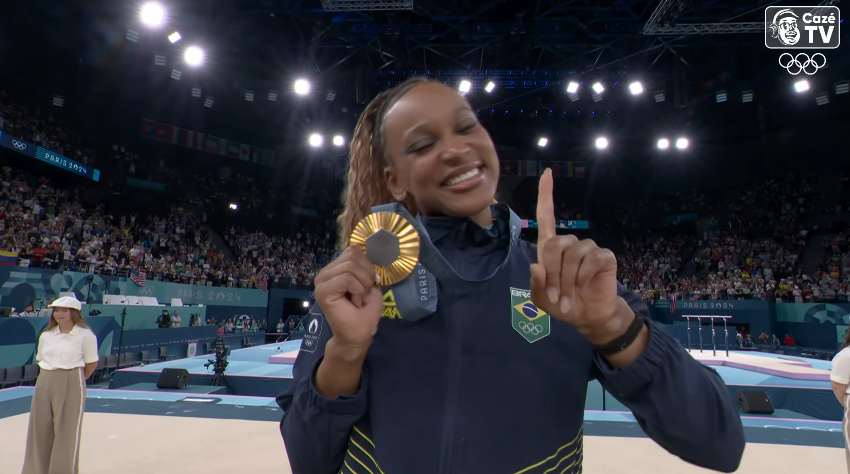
[
  {"x": 30, "y": 374},
  {"x": 14, "y": 376}
]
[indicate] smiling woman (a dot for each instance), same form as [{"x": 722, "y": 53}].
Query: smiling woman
[
  {"x": 517, "y": 325},
  {"x": 67, "y": 356}
]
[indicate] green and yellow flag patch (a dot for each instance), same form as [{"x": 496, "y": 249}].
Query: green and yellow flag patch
[{"x": 531, "y": 322}]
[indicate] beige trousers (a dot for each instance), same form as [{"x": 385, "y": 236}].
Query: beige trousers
[{"x": 56, "y": 419}]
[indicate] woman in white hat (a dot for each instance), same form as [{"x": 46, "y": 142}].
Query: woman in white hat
[{"x": 67, "y": 356}]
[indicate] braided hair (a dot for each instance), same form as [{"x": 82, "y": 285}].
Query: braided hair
[{"x": 365, "y": 184}]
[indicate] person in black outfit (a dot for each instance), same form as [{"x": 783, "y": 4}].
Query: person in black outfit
[{"x": 164, "y": 320}]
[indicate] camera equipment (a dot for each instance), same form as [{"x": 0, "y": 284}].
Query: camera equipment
[{"x": 219, "y": 364}]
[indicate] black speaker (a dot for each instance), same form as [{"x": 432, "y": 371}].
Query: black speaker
[
  {"x": 755, "y": 402},
  {"x": 172, "y": 378}
]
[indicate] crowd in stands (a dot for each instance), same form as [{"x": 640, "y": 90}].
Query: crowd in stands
[
  {"x": 284, "y": 261},
  {"x": 49, "y": 227},
  {"x": 756, "y": 254},
  {"x": 42, "y": 128},
  {"x": 753, "y": 249}
]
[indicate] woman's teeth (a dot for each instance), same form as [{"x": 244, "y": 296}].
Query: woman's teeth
[{"x": 463, "y": 177}]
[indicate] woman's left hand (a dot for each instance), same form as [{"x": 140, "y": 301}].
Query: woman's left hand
[{"x": 575, "y": 280}]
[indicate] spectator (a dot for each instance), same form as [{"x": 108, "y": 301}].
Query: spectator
[
  {"x": 164, "y": 320},
  {"x": 789, "y": 341},
  {"x": 28, "y": 312}
]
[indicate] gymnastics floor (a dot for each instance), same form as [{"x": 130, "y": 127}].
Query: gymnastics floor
[{"x": 155, "y": 431}]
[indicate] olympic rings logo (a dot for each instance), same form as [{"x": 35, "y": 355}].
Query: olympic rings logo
[
  {"x": 801, "y": 62},
  {"x": 530, "y": 328},
  {"x": 20, "y": 146}
]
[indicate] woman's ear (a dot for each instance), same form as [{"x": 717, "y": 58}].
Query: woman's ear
[{"x": 393, "y": 184}]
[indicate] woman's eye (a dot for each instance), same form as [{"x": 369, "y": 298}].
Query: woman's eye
[
  {"x": 467, "y": 127},
  {"x": 421, "y": 147}
]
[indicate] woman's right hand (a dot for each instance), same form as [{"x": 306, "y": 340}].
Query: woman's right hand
[{"x": 350, "y": 300}]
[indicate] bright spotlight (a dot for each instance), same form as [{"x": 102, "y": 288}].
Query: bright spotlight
[
  {"x": 464, "y": 86},
  {"x": 636, "y": 88},
  {"x": 301, "y": 86},
  {"x": 490, "y": 87},
  {"x": 152, "y": 14},
  {"x": 305, "y": 304},
  {"x": 572, "y": 87},
  {"x": 802, "y": 86},
  {"x": 542, "y": 142},
  {"x": 601, "y": 143},
  {"x": 682, "y": 143},
  {"x": 174, "y": 37},
  {"x": 233, "y": 206},
  {"x": 339, "y": 141},
  {"x": 316, "y": 140},
  {"x": 663, "y": 144},
  {"x": 598, "y": 88},
  {"x": 194, "y": 56}
]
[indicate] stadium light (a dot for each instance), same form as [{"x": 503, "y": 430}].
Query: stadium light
[
  {"x": 194, "y": 56},
  {"x": 464, "y": 86},
  {"x": 301, "y": 86},
  {"x": 663, "y": 144},
  {"x": 233, "y": 206},
  {"x": 152, "y": 14},
  {"x": 542, "y": 142},
  {"x": 636, "y": 88},
  {"x": 305, "y": 304},
  {"x": 338, "y": 141},
  {"x": 490, "y": 87},
  {"x": 598, "y": 88},
  {"x": 802, "y": 86},
  {"x": 682, "y": 143},
  {"x": 572, "y": 87},
  {"x": 601, "y": 143},
  {"x": 174, "y": 37},
  {"x": 316, "y": 140}
]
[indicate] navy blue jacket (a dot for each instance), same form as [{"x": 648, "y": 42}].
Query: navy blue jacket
[{"x": 461, "y": 391}]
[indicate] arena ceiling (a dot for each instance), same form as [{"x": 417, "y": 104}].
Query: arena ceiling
[{"x": 689, "y": 50}]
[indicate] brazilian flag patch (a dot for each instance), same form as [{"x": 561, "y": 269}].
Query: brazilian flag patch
[{"x": 531, "y": 322}]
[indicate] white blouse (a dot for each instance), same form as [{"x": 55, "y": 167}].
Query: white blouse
[{"x": 66, "y": 351}]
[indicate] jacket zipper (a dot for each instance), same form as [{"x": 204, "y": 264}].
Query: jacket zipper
[{"x": 452, "y": 389}]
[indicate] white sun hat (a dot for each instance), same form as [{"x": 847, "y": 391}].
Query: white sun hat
[{"x": 66, "y": 302}]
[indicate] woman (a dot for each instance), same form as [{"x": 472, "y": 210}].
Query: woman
[
  {"x": 840, "y": 377},
  {"x": 494, "y": 381},
  {"x": 67, "y": 356}
]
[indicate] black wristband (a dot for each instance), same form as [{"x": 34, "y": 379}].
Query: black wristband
[{"x": 625, "y": 340}]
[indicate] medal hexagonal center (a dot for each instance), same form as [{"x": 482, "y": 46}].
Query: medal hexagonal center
[{"x": 382, "y": 248}]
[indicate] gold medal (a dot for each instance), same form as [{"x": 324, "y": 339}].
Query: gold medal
[{"x": 390, "y": 242}]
